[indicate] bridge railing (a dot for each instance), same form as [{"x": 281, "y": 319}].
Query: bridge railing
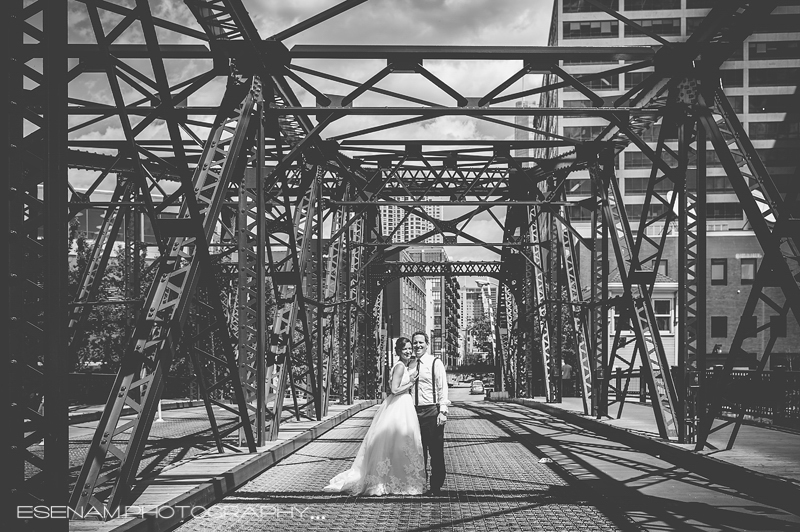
[{"x": 769, "y": 396}]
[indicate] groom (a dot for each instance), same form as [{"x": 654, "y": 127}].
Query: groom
[{"x": 430, "y": 397}]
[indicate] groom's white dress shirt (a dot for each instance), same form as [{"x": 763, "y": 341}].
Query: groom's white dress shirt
[{"x": 424, "y": 382}]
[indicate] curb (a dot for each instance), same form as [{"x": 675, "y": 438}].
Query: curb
[
  {"x": 212, "y": 492},
  {"x": 767, "y": 489}
]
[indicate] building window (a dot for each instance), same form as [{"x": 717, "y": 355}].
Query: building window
[
  {"x": 663, "y": 311},
  {"x": 699, "y": 4},
  {"x": 737, "y": 102},
  {"x": 718, "y": 183},
  {"x": 662, "y": 26},
  {"x": 583, "y": 132},
  {"x": 748, "y": 270},
  {"x": 719, "y": 326},
  {"x": 775, "y": 50},
  {"x": 652, "y": 133},
  {"x": 638, "y": 185},
  {"x": 637, "y": 159},
  {"x": 774, "y": 103},
  {"x": 591, "y": 29},
  {"x": 578, "y": 213},
  {"x": 582, "y": 6},
  {"x": 662, "y": 267},
  {"x": 782, "y": 23},
  {"x": 719, "y": 271},
  {"x": 632, "y": 79},
  {"x": 733, "y": 78},
  {"x": 642, "y": 5},
  {"x": 773, "y": 77},
  {"x": 634, "y": 211},
  {"x": 789, "y": 129},
  {"x": 779, "y": 157},
  {"x": 723, "y": 211},
  {"x": 608, "y": 83}
]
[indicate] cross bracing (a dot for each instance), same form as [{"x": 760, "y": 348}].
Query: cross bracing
[{"x": 274, "y": 185}]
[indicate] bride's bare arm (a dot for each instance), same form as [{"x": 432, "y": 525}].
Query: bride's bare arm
[{"x": 397, "y": 378}]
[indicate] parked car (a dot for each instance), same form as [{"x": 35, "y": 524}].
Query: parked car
[{"x": 476, "y": 388}]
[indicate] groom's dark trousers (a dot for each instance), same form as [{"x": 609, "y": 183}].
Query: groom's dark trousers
[{"x": 432, "y": 442}]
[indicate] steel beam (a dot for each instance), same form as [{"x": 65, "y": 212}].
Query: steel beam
[{"x": 150, "y": 350}]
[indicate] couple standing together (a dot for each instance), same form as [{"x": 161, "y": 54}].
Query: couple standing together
[{"x": 408, "y": 426}]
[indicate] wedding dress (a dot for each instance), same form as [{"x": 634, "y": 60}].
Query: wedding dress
[{"x": 390, "y": 459}]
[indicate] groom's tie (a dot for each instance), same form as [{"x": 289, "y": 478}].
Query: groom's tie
[{"x": 416, "y": 385}]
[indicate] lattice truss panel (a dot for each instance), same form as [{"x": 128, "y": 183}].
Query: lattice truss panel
[
  {"x": 535, "y": 271},
  {"x": 774, "y": 217},
  {"x": 636, "y": 304},
  {"x": 289, "y": 360},
  {"x": 150, "y": 350},
  {"x": 578, "y": 311}
]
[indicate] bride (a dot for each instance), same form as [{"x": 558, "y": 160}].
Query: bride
[{"x": 389, "y": 460}]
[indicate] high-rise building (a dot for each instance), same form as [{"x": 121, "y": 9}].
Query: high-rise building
[
  {"x": 442, "y": 303},
  {"x": 405, "y": 301},
  {"x": 472, "y": 310},
  {"x": 760, "y": 80},
  {"x": 411, "y": 227}
]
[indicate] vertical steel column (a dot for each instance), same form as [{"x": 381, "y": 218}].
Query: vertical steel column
[
  {"x": 16, "y": 395},
  {"x": 133, "y": 264},
  {"x": 577, "y": 313},
  {"x": 330, "y": 308},
  {"x": 686, "y": 279},
  {"x": 539, "y": 308},
  {"x": 599, "y": 297},
  {"x": 56, "y": 256},
  {"x": 555, "y": 303},
  {"x": 696, "y": 372},
  {"x": 252, "y": 289},
  {"x": 355, "y": 287}
]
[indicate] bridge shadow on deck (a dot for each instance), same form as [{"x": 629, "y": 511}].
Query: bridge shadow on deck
[{"x": 617, "y": 474}]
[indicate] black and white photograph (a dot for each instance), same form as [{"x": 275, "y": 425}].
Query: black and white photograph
[{"x": 401, "y": 265}]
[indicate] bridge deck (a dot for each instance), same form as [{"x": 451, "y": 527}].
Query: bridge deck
[{"x": 510, "y": 467}]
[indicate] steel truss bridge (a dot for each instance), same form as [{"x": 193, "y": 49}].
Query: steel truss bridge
[{"x": 248, "y": 194}]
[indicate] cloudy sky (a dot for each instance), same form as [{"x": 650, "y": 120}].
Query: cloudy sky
[{"x": 376, "y": 22}]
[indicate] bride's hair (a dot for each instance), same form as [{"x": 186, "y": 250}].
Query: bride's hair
[{"x": 400, "y": 343}]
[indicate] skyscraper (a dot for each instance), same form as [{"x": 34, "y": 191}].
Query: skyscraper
[
  {"x": 760, "y": 80},
  {"x": 411, "y": 227}
]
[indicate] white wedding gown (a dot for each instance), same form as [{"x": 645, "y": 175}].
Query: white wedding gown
[{"x": 390, "y": 459}]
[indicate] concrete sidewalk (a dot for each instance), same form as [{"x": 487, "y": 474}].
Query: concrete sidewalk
[
  {"x": 764, "y": 462},
  {"x": 169, "y": 498},
  {"x": 84, "y": 413}
]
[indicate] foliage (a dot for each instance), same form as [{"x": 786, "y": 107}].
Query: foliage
[{"x": 102, "y": 337}]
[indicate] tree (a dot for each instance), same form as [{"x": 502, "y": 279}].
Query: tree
[
  {"x": 105, "y": 331},
  {"x": 482, "y": 334}
]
